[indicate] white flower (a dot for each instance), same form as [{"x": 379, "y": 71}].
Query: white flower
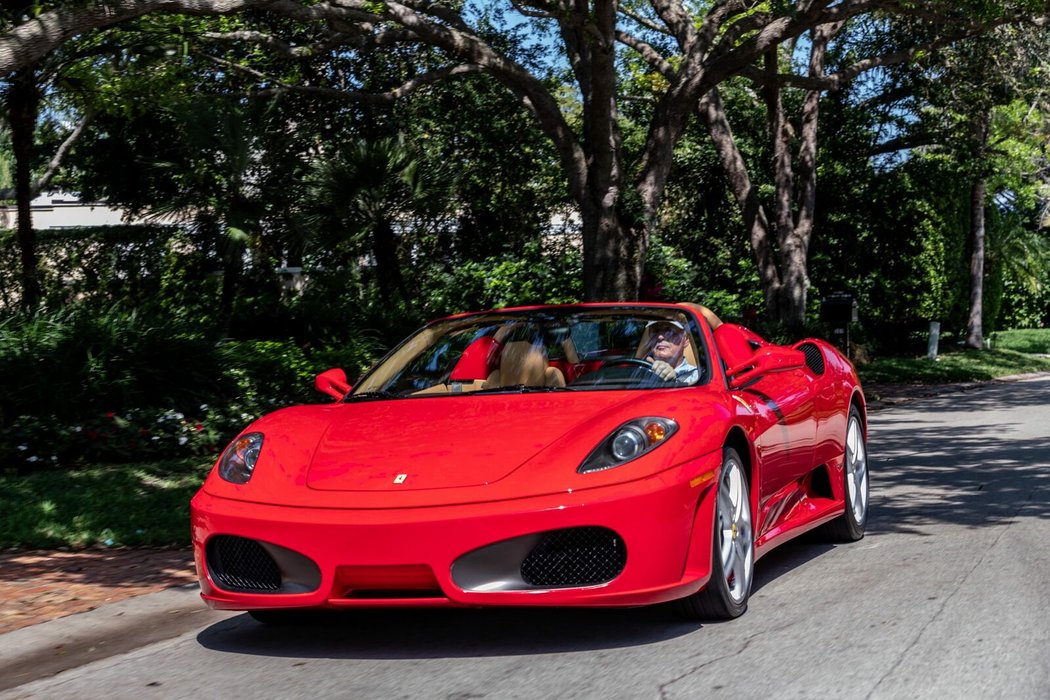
[
  {"x": 23, "y": 448},
  {"x": 183, "y": 440},
  {"x": 204, "y": 407},
  {"x": 33, "y": 458}
]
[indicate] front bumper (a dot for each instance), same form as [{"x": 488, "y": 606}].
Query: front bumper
[{"x": 453, "y": 556}]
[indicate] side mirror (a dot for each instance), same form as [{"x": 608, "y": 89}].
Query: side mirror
[
  {"x": 332, "y": 382},
  {"x": 767, "y": 360}
]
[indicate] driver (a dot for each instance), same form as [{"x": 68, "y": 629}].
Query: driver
[{"x": 667, "y": 343}]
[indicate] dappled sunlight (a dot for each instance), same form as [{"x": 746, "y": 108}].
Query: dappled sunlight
[{"x": 949, "y": 459}]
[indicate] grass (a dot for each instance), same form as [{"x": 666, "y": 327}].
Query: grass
[
  {"x": 147, "y": 504},
  {"x": 144, "y": 504},
  {"x": 959, "y": 366},
  {"x": 1030, "y": 340}
]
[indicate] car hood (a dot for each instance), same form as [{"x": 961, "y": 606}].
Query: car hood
[{"x": 413, "y": 444}]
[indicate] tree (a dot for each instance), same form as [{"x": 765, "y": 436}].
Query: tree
[
  {"x": 696, "y": 49},
  {"x": 969, "y": 88}
]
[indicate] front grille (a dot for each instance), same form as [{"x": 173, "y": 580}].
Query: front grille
[
  {"x": 579, "y": 556},
  {"x": 814, "y": 358},
  {"x": 238, "y": 563}
]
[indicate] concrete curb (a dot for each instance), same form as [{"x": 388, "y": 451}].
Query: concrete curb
[{"x": 51, "y": 647}]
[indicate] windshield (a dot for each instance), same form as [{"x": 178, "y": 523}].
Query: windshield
[{"x": 560, "y": 349}]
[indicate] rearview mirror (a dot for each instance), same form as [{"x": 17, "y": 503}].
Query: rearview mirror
[
  {"x": 332, "y": 382},
  {"x": 767, "y": 360}
]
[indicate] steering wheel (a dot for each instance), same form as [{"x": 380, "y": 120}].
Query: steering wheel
[{"x": 626, "y": 361}]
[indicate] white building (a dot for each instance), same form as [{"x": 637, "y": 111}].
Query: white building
[{"x": 61, "y": 210}]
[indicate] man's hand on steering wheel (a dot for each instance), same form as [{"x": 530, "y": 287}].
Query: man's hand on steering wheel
[{"x": 662, "y": 369}]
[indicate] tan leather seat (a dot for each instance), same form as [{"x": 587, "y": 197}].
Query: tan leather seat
[{"x": 522, "y": 362}]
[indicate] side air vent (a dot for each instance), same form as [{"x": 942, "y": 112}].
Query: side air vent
[
  {"x": 814, "y": 358},
  {"x": 579, "y": 556}
]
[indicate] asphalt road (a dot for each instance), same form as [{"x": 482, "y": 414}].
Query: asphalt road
[{"x": 947, "y": 597}]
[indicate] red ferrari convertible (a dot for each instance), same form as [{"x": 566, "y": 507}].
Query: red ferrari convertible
[{"x": 581, "y": 455}]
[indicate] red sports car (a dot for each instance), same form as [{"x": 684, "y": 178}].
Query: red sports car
[{"x": 580, "y": 455}]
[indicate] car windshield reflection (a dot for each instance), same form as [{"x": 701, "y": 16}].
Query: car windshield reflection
[{"x": 572, "y": 349}]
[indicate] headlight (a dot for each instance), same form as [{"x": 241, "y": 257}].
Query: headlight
[
  {"x": 238, "y": 461},
  {"x": 630, "y": 441}
]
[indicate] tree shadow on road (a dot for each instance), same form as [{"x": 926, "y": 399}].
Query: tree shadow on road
[{"x": 923, "y": 474}]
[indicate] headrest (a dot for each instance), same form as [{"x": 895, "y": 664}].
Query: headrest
[
  {"x": 522, "y": 362},
  {"x": 480, "y": 357}
]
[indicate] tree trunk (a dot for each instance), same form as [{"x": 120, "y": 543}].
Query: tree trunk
[
  {"x": 614, "y": 250},
  {"x": 794, "y": 242},
  {"x": 712, "y": 114},
  {"x": 978, "y": 190},
  {"x": 388, "y": 269},
  {"x": 23, "y": 101},
  {"x": 232, "y": 272},
  {"x": 784, "y": 286},
  {"x": 974, "y": 326},
  {"x": 614, "y": 243},
  {"x": 791, "y": 296}
]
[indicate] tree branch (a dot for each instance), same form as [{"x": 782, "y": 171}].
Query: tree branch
[
  {"x": 643, "y": 21},
  {"x": 649, "y": 54},
  {"x": 55, "y": 163},
  {"x": 835, "y": 81},
  {"x": 33, "y": 39},
  {"x": 405, "y": 89}
]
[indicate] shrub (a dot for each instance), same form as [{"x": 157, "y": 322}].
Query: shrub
[
  {"x": 73, "y": 363},
  {"x": 79, "y": 385}
]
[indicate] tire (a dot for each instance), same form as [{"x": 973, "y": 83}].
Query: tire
[
  {"x": 849, "y": 527},
  {"x": 732, "y": 552}
]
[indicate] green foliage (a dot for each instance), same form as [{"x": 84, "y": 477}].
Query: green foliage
[
  {"x": 534, "y": 277},
  {"x": 700, "y": 252},
  {"x": 113, "y": 385},
  {"x": 99, "y": 266},
  {"x": 893, "y": 231},
  {"x": 73, "y": 362},
  {"x": 1023, "y": 308},
  {"x": 7, "y": 160}
]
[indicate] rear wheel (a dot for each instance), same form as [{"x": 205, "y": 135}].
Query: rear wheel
[
  {"x": 849, "y": 527},
  {"x": 733, "y": 551}
]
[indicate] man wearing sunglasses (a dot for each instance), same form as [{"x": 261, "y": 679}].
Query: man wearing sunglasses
[{"x": 667, "y": 344}]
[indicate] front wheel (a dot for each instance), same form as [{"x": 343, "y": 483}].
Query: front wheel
[
  {"x": 733, "y": 552},
  {"x": 849, "y": 527}
]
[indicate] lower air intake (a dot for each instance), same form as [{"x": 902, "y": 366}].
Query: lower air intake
[
  {"x": 241, "y": 564},
  {"x": 578, "y": 556}
]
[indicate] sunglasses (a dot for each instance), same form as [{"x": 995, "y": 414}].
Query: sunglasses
[{"x": 667, "y": 331}]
